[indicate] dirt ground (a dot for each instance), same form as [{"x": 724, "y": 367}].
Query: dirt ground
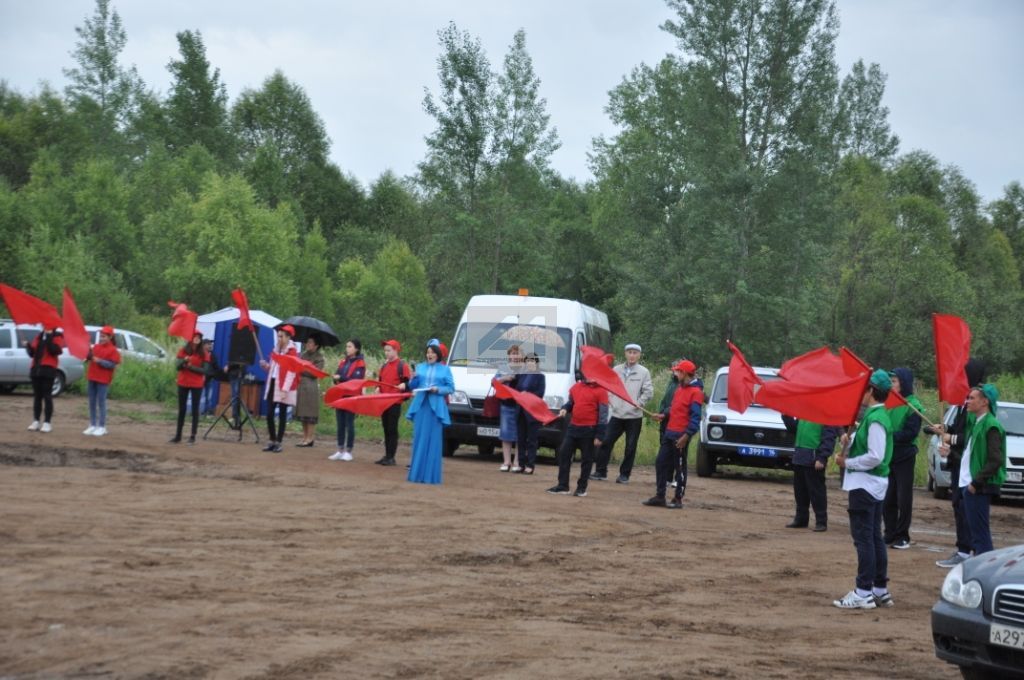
[{"x": 126, "y": 557}]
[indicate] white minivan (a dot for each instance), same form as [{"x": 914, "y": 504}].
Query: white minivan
[{"x": 552, "y": 328}]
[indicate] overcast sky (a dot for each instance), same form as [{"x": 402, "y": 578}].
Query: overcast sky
[{"x": 955, "y": 67}]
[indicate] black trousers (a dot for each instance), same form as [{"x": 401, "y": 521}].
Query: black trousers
[
  {"x": 616, "y": 427},
  {"x": 42, "y": 396},
  {"x": 809, "y": 492},
  {"x": 671, "y": 462},
  {"x": 183, "y": 395},
  {"x": 899, "y": 501},
  {"x": 963, "y": 529},
  {"x": 581, "y": 439},
  {"x": 389, "y": 421},
  {"x": 277, "y": 415},
  {"x": 526, "y": 439},
  {"x": 866, "y": 530}
]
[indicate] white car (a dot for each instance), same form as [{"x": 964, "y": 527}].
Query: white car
[
  {"x": 131, "y": 344},
  {"x": 1011, "y": 415},
  {"x": 15, "y": 361},
  {"x": 754, "y": 438}
]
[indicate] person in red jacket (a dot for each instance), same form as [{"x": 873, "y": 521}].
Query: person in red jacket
[
  {"x": 103, "y": 358},
  {"x": 395, "y": 374},
  {"x": 192, "y": 366},
  {"x": 588, "y": 404},
  {"x": 45, "y": 350},
  {"x": 683, "y": 423}
]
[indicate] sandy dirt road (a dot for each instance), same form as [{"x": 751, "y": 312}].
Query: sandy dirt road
[{"x": 125, "y": 557}]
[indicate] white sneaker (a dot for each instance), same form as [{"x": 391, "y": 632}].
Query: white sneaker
[
  {"x": 335, "y": 456},
  {"x": 45, "y": 428},
  {"x": 34, "y": 426},
  {"x": 90, "y": 430},
  {"x": 99, "y": 432},
  {"x": 346, "y": 456},
  {"x": 854, "y": 601}
]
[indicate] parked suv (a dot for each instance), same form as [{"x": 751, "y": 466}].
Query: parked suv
[
  {"x": 15, "y": 361},
  {"x": 131, "y": 344},
  {"x": 755, "y": 438},
  {"x": 1011, "y": 415}
]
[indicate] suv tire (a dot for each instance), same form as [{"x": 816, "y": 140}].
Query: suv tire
[
  {"x": 59, "y": 382},
  {"x": 705, "y": 462}
]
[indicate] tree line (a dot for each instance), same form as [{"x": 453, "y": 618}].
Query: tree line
[{"x": 751, "y": 192}]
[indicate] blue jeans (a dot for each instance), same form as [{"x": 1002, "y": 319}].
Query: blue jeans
[
  {"x": 98, "y": 403},
  {"x": 346, "y": 421},
  {"x": 866, "y": 529},
  {"x": 976, "y": 510}
]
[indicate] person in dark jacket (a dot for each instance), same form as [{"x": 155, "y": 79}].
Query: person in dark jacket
[
  {"x": 683, "y": 421},
  {"x": 527, "y": 427},
  {"x": 975, "y": 371},
  {"x": 588, "y": 404},
  {"x": 899, "y": 498},
  {"x": 45, "y": 350},
  {"x": 351, "y": 367},
  {"x": 814, "y": 444}
]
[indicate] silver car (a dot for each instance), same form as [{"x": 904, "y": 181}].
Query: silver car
[
  {"x": 131, "y": 344},
  {"x": 1011, "y": 415},
  {"x": 15, "y": 361}
]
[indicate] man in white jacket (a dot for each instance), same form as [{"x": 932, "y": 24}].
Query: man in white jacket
[{"x": 625, "y": 418}]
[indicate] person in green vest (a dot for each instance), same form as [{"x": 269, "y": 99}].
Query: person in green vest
[
  {"x": 867, "y": 480},
  {"x": 812, "y": 449},
  {"x": 983, "y": 466},
  {"x": 906, "y": 425}
]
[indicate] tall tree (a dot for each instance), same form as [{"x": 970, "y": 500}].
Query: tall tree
[
  {"x": 197, "y": 103},
  {"x": 863, "y": 119}
]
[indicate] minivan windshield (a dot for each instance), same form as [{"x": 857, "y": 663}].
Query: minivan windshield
[
  {"x": 721, "y": 393},
  {"x": 485, "y": 345},
  {"x": 1012, "y": 419}
]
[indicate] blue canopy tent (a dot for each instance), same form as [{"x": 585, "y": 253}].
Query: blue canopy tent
[{"x": 220, "y": 326}]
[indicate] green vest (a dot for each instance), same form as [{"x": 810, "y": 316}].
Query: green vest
[
  {"x": 808, "y": 435},
  {"x": 898, "y": 415},
  {"x": 979, "y": 447},
  {"x": 874, "y": 414}
]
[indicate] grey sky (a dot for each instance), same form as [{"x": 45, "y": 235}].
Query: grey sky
[{"x": 954, "y": 68}]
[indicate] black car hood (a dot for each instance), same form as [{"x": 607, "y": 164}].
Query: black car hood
[{"x": 1006, "y": 564}]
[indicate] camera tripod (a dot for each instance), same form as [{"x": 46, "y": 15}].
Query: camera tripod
[{"x": 237, "y": 407}]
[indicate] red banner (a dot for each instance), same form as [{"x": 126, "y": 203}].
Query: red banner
[
  {"x": 28, "y": 309},
  {"x": 183, "y": 321},
  {"x": 75, "y": 336},
  {"x": 742, "y": 381},
  {"x": 242, "y": 302},
  {"x": 370, "y": 404},
  {"x": 819, "y": 386},
  {"x": 895, "y": 399},
  {"x": 596, "y": 369},
  {"x": 952, "y": 350},
  {"x": 294, "y": 364},
  {"x": 530, "y": 402},
  {"x": 351, "y": 388}
]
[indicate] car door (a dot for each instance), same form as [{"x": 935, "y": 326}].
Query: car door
[{"x": 8, "y": 350}]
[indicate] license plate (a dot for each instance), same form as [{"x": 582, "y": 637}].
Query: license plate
[
  {"x": 1007, "y": 636},
  {"x": 1013, "y": 476},
  {"x": 488, "y": 432},
  {"x": 758, "y": 452}
]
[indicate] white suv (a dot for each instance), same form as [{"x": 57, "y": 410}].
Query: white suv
[
  {"x": 15, "y": 361},
  {"x": 754, "y": 438}
]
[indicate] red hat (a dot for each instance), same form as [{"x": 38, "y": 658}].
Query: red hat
[
  {"x": 685, "y": 365},
  {"x": 107, "y": 330},
  {"x": 444, "y": 350},
  {"x": 393, "y": 343},
  {"x": 289, "y": 329}
]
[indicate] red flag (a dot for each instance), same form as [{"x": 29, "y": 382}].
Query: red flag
[
  {"x": 895, "y": 399},
  {"x": 242, "y": 302},
  {"x": 293, "y": 364},
  {"x": 351, "y": 388},
  {"x": 183, "y": 321},
  {"x": 533, "y": 404},
  {"x": 952, "y": 350},
  {"x": 742, "y": 381},
  {"x": 370, "y": 404},
  {"x": 28, "y": 309},
  {"x": 596, "y": 369},
  {"x": 75, "y": 335},
  {"x": 818, "y": 386}
]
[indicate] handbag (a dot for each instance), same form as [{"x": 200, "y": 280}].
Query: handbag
[{"x": 492, "y": 406}]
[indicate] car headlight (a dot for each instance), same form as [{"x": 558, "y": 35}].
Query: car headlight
[
  {"x": 554, "y": 402},
  {"x": 458, "y": 398},
  {"x": 716, "y": 432},
  {"x": 955, "y": 591}
]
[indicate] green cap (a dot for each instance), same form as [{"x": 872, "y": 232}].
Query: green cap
[
  {"x": 881, "y": 380},
  {"x": 992, "y": 394}
]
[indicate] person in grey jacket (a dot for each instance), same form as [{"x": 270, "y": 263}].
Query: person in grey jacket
[{"x": 625, "y": 418}]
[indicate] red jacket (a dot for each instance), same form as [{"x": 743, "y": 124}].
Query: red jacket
[
  {"x": 389, "y": 373},
  {"x": 188, "y": 377},
  {"x": 585, "y": 401},
  {"x": 42, "y": 356},
  {"x": 102, "y": 351},
  {"x": 684, "y": 415}
]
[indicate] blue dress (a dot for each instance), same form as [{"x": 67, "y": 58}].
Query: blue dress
[{"x": 429, "y": 415}]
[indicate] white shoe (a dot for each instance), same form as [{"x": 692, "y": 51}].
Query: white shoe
[
  {"x": 34, "y": 426},
  {"x": 45, "y": 428},
  {"x": 346, "y": 456},
  {"x": 335, "y": 456},
  {"x": 90, "y": 430},
  {"x": 854, "y": 601},
  {"x": 99, "y": 432}
]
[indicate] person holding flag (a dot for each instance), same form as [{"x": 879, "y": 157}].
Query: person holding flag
[
  {"x": 103, "y": 358},
  {"x": 395, "y": 375},
  {"x": 45, "y": 350},
  {"x": 683, "y": 422},
  {"x": 281, "y": 390},
  {"x": 307, "y": 407},
  {"x": 531, "y": 380},
  {"x": 906, "y": 424},
  {"x": 866, "y": 480},
  {"x": 351, "y": 367},
  {"x": 588, "y": 404},
  {"x": 192, "y": 363},
  {"x": 812, "y": 449}
]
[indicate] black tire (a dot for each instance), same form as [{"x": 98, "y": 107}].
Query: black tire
[
  {"x": 705, "y": 462},
  {"x": 7, "y": 388},
  {"x": 940, "y": 492},
  {"x": 59, "y": 383},
  {"x": 450, "y": 445},
  {"x": 485, "y": 450},
  {"x": 931, "y": 482},
  {"x": 979, "y": 674}
]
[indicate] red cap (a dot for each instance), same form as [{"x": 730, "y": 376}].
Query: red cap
[
  {"x": 107, "y": 330},
  {"x": 289, "y": 329},
  {"x": 685, "y": 365},
  {"x": 393, "y": 343},
  {"x": 444, "y": 350}
]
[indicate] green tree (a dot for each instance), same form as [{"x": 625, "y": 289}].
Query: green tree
[
  {"x": 1008, "y": 217},
  {"x": 197, "y": 103},
  {"x": 863, "y": 120},
  {"x": 313, "y": 281}
]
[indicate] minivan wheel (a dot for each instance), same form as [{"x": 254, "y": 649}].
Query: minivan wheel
[
  {"x": 485, "y": 450},
  {"x": 58, "y": 384},
  {"x": 449, "y": 447},
  {"x": 7, "y": 388},
  {"x": 705, "y": 462}
]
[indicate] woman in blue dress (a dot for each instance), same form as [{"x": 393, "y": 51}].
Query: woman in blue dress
[{"x": 429, "y": 415}]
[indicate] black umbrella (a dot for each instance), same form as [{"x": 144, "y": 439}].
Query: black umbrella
[{"x": 306, "y": 326}]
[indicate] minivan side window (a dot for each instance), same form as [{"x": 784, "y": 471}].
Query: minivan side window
[
  {"x": 5, "y": 338},
  {"x": 26, "y": 335}
]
